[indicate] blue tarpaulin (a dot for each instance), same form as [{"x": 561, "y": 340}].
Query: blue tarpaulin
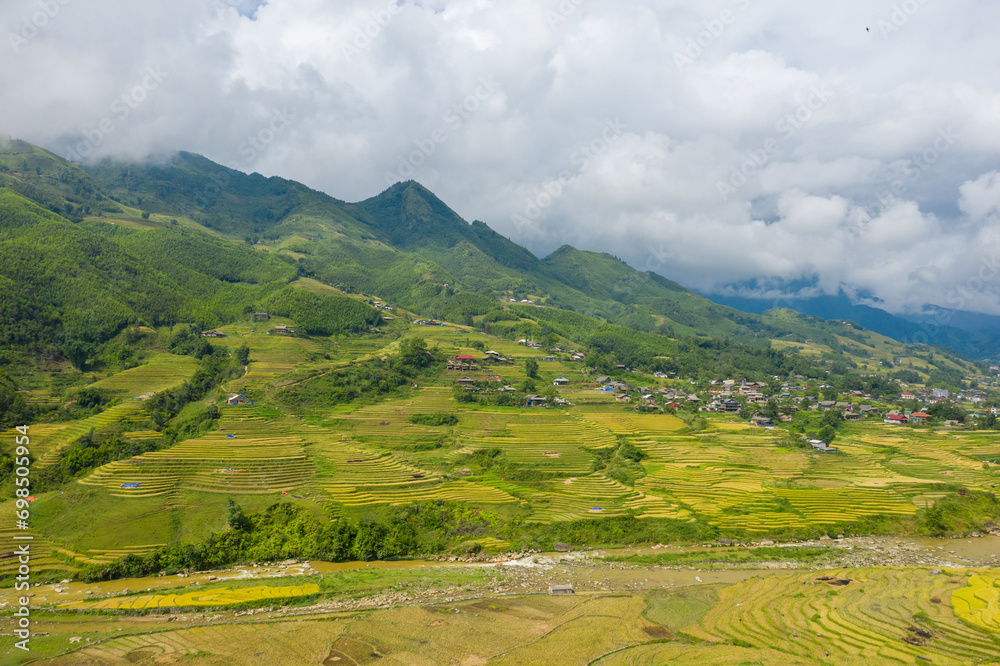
[{"x": 130, "y": 485}]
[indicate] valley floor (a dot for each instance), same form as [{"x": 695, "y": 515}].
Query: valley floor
[
  {"x": 859, "y": 599},
  {"x": 862, "y": 600}
]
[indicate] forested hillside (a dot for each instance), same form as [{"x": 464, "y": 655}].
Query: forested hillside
[
  {"x": 189, "y": 240},
  {"x": 69, "y": 288}
]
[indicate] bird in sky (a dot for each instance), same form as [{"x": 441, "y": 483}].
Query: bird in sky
[{"x": 868, "y": 29}]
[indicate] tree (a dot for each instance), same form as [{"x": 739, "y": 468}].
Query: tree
[
  {"x": 771, "y": 409},
  {"x": 531, "y": 368},
  {"x": 413, "y": 352},
  {"x": 831, "y": 418},
  {"x": 235, "y": 516},
  {"x": 78, "y": 353},
  {"x": 827, "y": 434},
  {"x": 243, "y": 354}
]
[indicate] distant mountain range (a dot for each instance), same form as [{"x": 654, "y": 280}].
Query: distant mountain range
[{"x": 973, "y": 334}]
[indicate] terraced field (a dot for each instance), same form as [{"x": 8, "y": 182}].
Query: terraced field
[
  {"x": 48, "y": 440},
  {"x": 591, "y": 496},
  {"x": 979, "y": 603},
  {"x": 248, "y": 456},
  {"x": 551, "y": 443},
  {"x": 879, "y": 615},
  {"x": 271, "y": 356},
  {"x": 213, "y": 597},
  {"x": 743, "y": 480},
  {"x": 160, "y": 372}
]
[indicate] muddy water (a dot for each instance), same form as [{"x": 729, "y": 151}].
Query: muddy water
[
  {"x": 981, "y": 548},
  {"x": 977, "y": 551}
]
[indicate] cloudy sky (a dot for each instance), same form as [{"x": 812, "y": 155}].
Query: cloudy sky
[{"x": 731, "y": 145}]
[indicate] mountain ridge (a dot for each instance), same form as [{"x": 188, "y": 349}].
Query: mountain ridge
[{"x": 403, "y": 244}]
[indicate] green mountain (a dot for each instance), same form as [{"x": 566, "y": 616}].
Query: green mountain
[
  {"x": 235, "y": 239},
  {"x": 405, "y": 245},
  {"x": 69, "y": 287}
]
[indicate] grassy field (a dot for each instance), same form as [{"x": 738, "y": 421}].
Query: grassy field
[
  {"x": 840, "y": 616},
  {"x": 554, "y": 467},
  {"x": 740, "y": 481}
]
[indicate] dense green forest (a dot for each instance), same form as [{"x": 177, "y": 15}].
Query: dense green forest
[{"x": 71, "y": 288}]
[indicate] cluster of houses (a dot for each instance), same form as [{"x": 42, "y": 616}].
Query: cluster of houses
[
  {"x": 463, "y": 362},
  {"x": 541, "y": 401},
  {"x": 574, "y": 355},
  {"x": 214, "y": 333},
  {"x": 927, "y": 395},
  {"x": 467, "y": 362},
  {"x": 280, "y": 329},
  {"x": 378, "y": 305},
  {"x": 531, "y": 400},
  {"x": 427, "y": 322},
  {"x": 523, "y": 300},
  {"x": 468, "y": 383},
  {"x": 897, "y": 417},
  {"x": 647, "y": 396}
]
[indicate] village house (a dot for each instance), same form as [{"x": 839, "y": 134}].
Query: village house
[
  {"x": 729, "y": 405},
  {"x": 261, "y": 316},
  {"x": 466, "y": 382},
  {"x": 463, "y": 362},
  {"x": 213, "y": 334},
  {"x": 560, "y": 381},
  {"x": 236, "y": 400},
  {"x": 821, "y": 446},
  {"x": 281, "y": 329},
  {"x": 920, "y": 417}
]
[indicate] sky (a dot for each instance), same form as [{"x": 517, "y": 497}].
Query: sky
[{"x": 737, "y": 146}]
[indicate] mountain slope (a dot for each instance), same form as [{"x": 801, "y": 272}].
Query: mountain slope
[
  {"x": 73, "y": 287},
  {"x": 407, "y": 246}
]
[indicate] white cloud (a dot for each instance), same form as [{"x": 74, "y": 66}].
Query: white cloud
[
  {"x": 981, "y": 198},
  {"x": 846, "y": 182}
]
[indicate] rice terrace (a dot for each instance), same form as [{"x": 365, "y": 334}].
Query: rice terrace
[
  {"x": 687, "y": 535},
  {"x": 286, "y": 429}
]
